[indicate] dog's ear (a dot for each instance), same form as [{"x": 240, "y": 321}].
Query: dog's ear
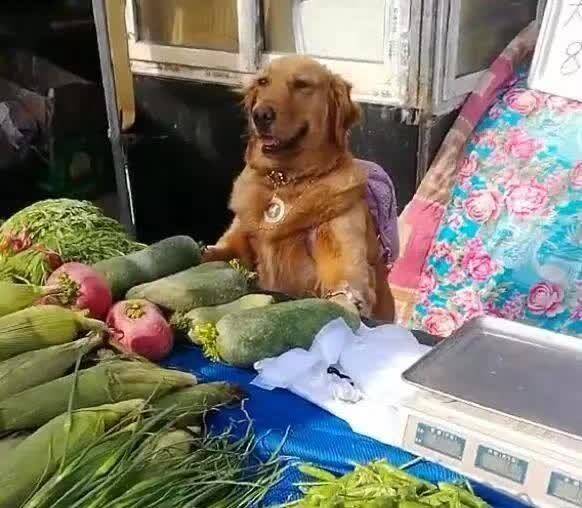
[{"x": 343, "y": 112}]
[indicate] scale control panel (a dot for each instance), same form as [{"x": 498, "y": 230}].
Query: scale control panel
[{"x": 497, "y": 460}]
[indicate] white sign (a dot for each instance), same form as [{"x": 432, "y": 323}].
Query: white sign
[{"x": 557, "y": 62}]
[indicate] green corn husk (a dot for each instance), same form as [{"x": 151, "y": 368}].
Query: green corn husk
[
  {"x": 173, "y": 443},
  {"x": 33, "y": 461},
  {"x": 42, "y": 326},
  {"x": 15, "y": 297},
  {"x": 36, "y": 239},
  {"x": 190, "y": 404},
  {"x": 164, "y": 446},
  {"x": 9, "y": 442},
  {"x": 37, "y": 367},
  {"x": 108, "y": 382}
]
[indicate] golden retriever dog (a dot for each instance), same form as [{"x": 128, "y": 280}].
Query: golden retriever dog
[{"x": 301, "y": 219}]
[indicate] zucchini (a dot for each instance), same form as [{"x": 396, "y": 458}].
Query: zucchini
[
  {"x": 245, "y": 337},
  {"x": 154, "y": 262},
  {"x": 199, "y": 286},
  {"x": 202, "y": 316}
]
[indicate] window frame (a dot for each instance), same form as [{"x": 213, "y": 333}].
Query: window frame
[
  {"x": 450, "y": 89},
  {"x": 243, "y": 61},
  {"x": 371, "y": 80}
]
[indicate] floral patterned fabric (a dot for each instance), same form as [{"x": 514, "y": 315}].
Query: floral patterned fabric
[{"x": 510, "y": 243}]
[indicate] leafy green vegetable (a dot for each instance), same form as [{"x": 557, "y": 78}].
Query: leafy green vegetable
[{"x": 34, "y": 241}]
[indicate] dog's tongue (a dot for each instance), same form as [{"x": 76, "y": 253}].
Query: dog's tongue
[{"x": 270, "y": 142}]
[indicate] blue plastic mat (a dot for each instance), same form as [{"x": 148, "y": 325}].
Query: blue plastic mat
[{"x": 306, "y": 431}]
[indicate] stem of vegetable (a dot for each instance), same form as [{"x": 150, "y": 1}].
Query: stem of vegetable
[
  {"x": 235, "y": 264},
  {"x": 208, "y": 336}
]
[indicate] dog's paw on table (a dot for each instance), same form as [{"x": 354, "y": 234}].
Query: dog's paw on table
[
  {"x": 351, "y": 300},
  {"x": 213, "y": 253}
]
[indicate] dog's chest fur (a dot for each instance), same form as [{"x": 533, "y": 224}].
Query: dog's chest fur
[
  {"x": 284, "y": 246},
  {"x": 275, "y": 260}
]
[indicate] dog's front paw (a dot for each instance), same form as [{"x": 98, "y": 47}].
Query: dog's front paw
[
  {"x": 351, "y": 299},
  {"x": 213, "y": 253},
  {"x": 345, "y": 302}
]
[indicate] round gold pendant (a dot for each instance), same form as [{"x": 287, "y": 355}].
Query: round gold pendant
[{"x": 275, "y": 211}]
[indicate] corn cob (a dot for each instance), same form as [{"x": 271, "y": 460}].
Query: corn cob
[
  {"x": 8, "y": 443},
  {"x": 15, "y": 297},
  {"x": 37, "y": 367},
  {"x": 159, "y": 449},
  {"x": 190, "y": 404},
  {"x": 165, "y": 445},
  {"x": 108, "y": 382},
  {"x": 174, "y": 443},
  {"x": 33, "y": 461},
  {"x": 39, "y": 327}
]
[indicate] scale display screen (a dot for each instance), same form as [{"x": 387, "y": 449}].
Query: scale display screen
[
  {"x": 567, "y": 489},
  {"x": 501, "y": 464},
  {"x": 440, "y": 441}
]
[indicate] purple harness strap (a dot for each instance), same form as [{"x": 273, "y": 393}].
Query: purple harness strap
[{"x": 381, "y": 199}]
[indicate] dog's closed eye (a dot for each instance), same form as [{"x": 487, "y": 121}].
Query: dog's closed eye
[{"x": 301, "y": 84}]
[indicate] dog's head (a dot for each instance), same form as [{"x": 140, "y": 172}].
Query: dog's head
[{"x": 295, "y": 105}]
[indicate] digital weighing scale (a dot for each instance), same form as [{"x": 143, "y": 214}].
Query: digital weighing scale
[{"x": 501, "y": 403}]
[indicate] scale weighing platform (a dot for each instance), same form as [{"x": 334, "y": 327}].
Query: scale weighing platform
[{"x": 501, "y": 403}]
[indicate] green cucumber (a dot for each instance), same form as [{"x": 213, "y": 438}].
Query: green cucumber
[
  {"x": 245, "y": 337},
  {"x": 199, "y": 286},
  {"x": 154, "y": 262},
  {"x": 211, "y": 315}
]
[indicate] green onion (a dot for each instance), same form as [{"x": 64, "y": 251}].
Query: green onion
[
  {"x": 29, "y": 463},
  {"x": 152, "y": 465}
]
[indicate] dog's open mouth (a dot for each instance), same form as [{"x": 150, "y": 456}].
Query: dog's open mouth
[{"x": 272, "y": 144}]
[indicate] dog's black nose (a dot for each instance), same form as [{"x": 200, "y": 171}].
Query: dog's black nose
[{"x": 264, "y": 116}]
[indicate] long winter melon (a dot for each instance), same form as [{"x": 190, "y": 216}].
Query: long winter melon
[
  {"x": 209, "y": 316},
  {"x": 245, "y": 337},
  {"x": 159, "y": 260},
  {"x": 200, "y": 286}
]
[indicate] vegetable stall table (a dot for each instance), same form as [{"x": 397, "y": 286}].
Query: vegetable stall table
[{"x": 303, "y": 431}]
